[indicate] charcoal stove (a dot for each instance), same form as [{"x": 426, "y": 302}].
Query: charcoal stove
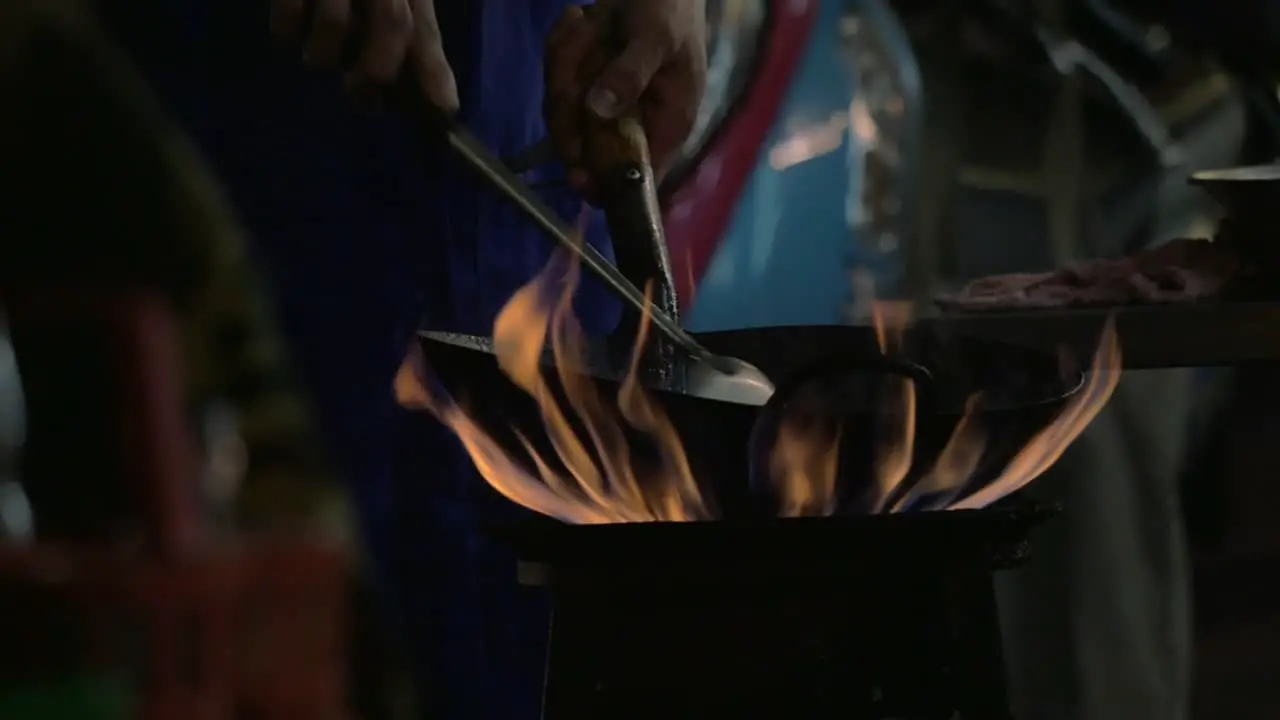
[
  {"x": 857, "y": 615},
  {"x": 889, "y": 616}
]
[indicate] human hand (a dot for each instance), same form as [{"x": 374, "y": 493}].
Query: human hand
[
  {"x": 619, "y": 57},
  {"x": 373, "y": 41}
]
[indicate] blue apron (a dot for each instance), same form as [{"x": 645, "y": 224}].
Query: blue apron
[{"x": 364, "y": 238}]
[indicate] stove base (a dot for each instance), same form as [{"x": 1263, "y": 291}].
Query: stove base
[
  {"x": 880, "y": 617},
  {"x": 815, "y": 650}
]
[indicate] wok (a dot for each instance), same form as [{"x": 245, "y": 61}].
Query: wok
[{"x": 728, "y": 444}]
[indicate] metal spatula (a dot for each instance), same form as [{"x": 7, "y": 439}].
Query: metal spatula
[{"x": 706, "y": 374}]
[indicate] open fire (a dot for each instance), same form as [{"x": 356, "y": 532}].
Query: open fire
[{"x": 595, "y": 477}]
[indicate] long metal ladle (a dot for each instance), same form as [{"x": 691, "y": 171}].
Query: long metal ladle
[{"x": 706, "y": 374}]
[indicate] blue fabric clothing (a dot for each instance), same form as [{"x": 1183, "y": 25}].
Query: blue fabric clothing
[{"x": 365, "y": 234}]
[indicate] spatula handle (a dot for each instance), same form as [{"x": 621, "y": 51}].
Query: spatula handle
[{"x": 613, "y": 145}]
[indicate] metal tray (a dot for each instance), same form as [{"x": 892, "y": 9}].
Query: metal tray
[{"x": 1162, "y": 336}]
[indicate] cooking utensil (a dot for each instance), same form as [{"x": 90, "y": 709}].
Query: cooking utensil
[
  {"x": 705, "y": 373},
  {"x": 1026, "y": 388},
  {"x": 618, "y": 154}
]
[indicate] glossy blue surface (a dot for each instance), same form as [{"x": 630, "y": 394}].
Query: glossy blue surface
[{"x": 786, "y": 257}]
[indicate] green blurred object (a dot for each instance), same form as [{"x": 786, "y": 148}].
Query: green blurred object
[{"x": 83, "y": 698}]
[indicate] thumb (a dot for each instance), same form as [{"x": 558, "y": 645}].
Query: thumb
[
  {"x": 624, "y": 80},
  {"x": 428, "y": 61}
]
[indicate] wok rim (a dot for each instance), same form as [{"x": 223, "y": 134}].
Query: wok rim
[
  {"x": 439, "y": 337},
  {"x": 1069, "y": 389}
]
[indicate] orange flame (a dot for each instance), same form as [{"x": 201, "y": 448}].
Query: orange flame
[
  {"x": 595, "y": 479},
  {"x": 1048, "y": 445},
  {"x": 599, "y": 482},
  {"x": 803, "y": 467},
  {"x": 897, "y": 435}
]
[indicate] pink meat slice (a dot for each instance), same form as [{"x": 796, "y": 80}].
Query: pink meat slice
[{"x": 1180, "y": 271}]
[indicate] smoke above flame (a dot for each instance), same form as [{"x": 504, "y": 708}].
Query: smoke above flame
[{"x": 595, "y": 476}]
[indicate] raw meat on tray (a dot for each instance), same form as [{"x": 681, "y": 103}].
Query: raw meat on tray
[{"x": 1179, "y": 271}]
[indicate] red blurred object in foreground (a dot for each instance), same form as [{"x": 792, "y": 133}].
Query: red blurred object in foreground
[{"x": 201, "y": 631}]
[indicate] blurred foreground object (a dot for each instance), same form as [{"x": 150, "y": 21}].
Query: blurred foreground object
[
  {"x": 108, "y": 197},
  {"x": 15, "y": 512},
  {"x": 135, "y": 325}
]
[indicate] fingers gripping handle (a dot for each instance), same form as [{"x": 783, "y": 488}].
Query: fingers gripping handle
[
  {"x": 615, "y": 145},
  {"x": 611, "y": 145}
]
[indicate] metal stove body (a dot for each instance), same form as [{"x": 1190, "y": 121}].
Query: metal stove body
[{"x": 874, "y": 617}]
